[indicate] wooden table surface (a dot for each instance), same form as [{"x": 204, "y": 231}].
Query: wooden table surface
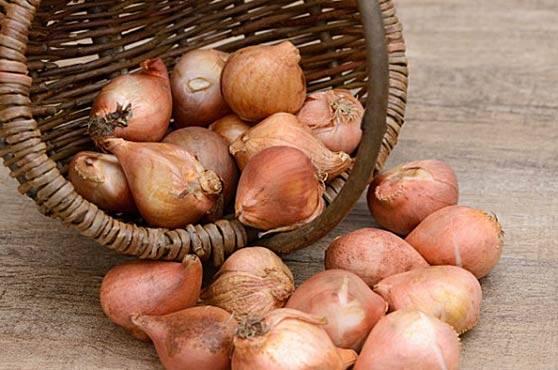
[{"x": 484, "y": 97}]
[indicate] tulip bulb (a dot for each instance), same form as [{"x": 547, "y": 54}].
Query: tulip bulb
[
  {"x": 196, "y": 88},
  {"x": 460, "y": 236},
  {"x": 335, "y": 117},
  {"x": 151, "y": 288},
  {"x": 372, "y": 254},
  {"x": 448, "y": 293},
  {"x": 212, "y": 152},
  {"x": 261, "y": 80},
  {"x": 279, "y": 190},
  {"x": 401, "y": 198},
  {"x": 287, "y": 339},
  {"x": 170, "y": 187},
  {"x": 99, "y": 178},
  {"x": 252, "y": 281},
  {"x": 410, "y": 339},
  {"x": 283, "y": 129},
  {"x": 349, "y": 306},
  {"x": 230, "y": 127},
  {"x": 126, "y": 107},
  {"x": 197, "y": 338}
]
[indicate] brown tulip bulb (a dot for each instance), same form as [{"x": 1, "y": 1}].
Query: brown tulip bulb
[
  {"x": 170, "y": 187},
  {"x": 211, "y": 151},
  {"x": 99, "y": 178},
  {"x": 196, "y": 88},
  {"x": 283, "y": 129},
  {"x": 279, "y": 190},
  {"x": 261, "y": 80},
  {"x": 150, "y": 287},
  {"x": 230, "y": 127}
]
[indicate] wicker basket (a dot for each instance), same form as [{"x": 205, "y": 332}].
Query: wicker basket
[{"x": 55, "y": 56}]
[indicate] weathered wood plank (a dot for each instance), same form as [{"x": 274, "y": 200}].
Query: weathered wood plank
[{"x": 484, "y": 97}]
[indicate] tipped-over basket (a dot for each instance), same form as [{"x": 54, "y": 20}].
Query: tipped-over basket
[{"x": 55, "y": 55}]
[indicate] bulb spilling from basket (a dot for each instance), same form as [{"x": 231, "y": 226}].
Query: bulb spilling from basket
[
  {"x": 382, "y": 303},
  {"x": 232, "y": 116},
  {"x": 254, "y": 141}
]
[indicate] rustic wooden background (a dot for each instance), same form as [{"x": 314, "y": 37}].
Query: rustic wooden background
[{"x": 484, "y": 97}]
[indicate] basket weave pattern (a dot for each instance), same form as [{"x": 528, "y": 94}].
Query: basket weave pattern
[{"x": 56, "y": 55}]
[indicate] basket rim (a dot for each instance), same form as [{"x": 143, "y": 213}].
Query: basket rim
[{"x": 24, "y": 152}]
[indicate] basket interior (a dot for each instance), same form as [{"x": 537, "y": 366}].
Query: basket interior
[{"x": 75, "y": 48}]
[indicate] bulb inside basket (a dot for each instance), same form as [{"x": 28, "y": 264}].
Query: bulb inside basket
[{"x": 191, "y": 177}]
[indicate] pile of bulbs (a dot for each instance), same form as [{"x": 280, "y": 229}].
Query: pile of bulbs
[
  {"x": 382, "y": 303},
  {"x": 245, "y": 113}
]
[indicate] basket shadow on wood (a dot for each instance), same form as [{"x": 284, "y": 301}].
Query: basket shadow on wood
[{"x": 56, "y": 55}]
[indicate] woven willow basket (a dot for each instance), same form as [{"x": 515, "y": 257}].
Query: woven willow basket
[{"x": 55, "y": 55}]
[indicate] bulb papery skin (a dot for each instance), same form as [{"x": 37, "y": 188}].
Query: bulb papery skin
[
  {"x": 335, "y": 118},
  {"x": 135, "y": 107},
  {"x": 197, "y": 338},
  {"x": 460, "y": 236},
  {"x": 349, "y": 306},
  {"x": 230, "y": 127},
  {"x": 449, "y": 293},
  {"x": 151, "y": 288},
  {"x": 402, "y": 197},
  {"x": 170, "y": 187},
  {"x": 287, "y": 339},
  {"x": 261, "y": 80},
  {"x": 211, "y": 150},
  {"x": 372, "y": 254},
  {"x": 411, "y": 340},
  {"x": 99, "y": 178},
  {"x": 196, "y": 88},
  {"x": 252, "y": 281},
  {"x": 284, "y": 129},
  {"x": 279, "y": 190}
]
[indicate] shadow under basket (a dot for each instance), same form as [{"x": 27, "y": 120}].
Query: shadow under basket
[{"x": 55, "y": 55}]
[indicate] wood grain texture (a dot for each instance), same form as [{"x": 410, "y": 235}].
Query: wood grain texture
[{"x": 484, "y": 97}]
